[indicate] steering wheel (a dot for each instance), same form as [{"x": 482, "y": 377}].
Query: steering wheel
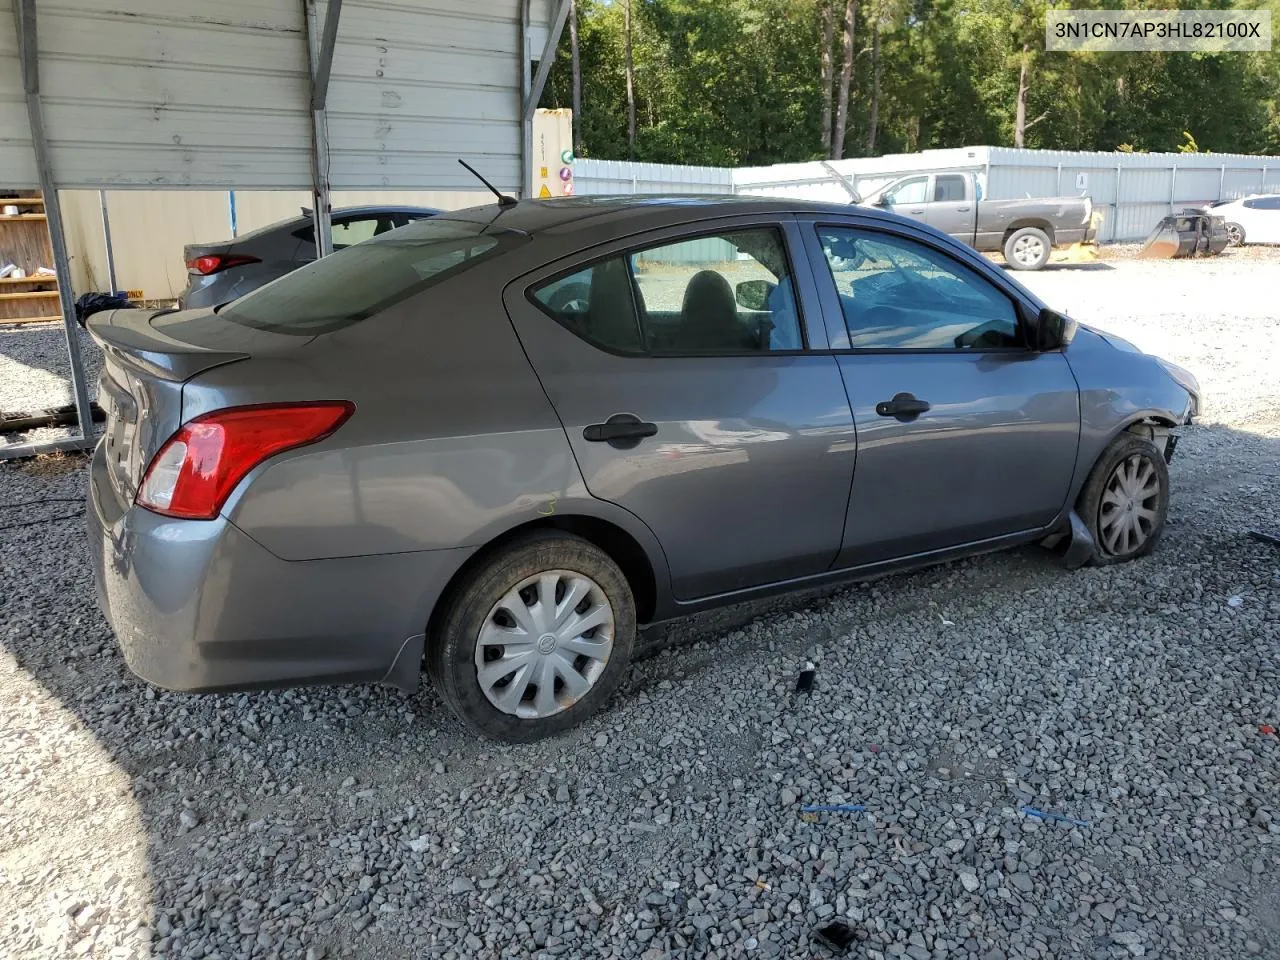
[{"x": 571, "y": 298}]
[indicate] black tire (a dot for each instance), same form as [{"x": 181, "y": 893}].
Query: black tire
[
  {"x": 1020, "y": 242},
  {"x": 451, "y": 652},
  {"x": 1095, "y": 509},
  {"x": 1235, "y": 235}
]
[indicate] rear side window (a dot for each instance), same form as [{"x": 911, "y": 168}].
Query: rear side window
[
  {"x": 1263, "y": 203},
  {"x": 353, "y": 284},
  {"x": 948, "y": 188},
  {"x": 728, "y": 293}
]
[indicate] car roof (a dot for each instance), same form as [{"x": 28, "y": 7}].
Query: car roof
[{"x": 567, "y": 215}]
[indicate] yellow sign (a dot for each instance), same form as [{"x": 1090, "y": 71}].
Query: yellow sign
[
  {"x": 544, "y": 193},
  {"x": 542, "y": 172}
]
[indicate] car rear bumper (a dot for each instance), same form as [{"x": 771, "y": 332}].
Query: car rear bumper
[{"x": 201, "y": 606}]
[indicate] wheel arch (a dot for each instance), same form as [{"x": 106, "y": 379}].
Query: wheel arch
[
  {"x": 1022, "y": 222},
  {"x": 1146, "y": 424},
  {"x": 623, "y": 548}
]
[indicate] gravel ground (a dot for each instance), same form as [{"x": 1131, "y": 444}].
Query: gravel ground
[
  {"x": 35, "y": 374},
  {"x": 364, "y": 823}
]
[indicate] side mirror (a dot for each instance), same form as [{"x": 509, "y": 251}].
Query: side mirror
[
  {"x": 883, "y": 201},
  {"x": 754, "y": 294},
  {"x": 1053, "y": 330}
]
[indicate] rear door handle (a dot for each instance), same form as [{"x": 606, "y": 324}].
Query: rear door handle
[
  {"x": 902, "y": 407},
  {"x": 962, "y": 209},
  {"x": 621, "y": 431}
]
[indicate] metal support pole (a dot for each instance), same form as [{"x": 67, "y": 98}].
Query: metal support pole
[
  {"x": 1173, "y": 180},
  {"x": 1222, "y": 178},
  {"x": 1115, "y": 219},
  {"x": 548, "y": 56},
  {"x": 324, "y": 62},
  {"x": 231, "y": 212},
  {"x": 106, "y": 242},
  {"x": 321, "y": 205},
  {"x": 24, "y": 18},
  {"x": 1262, "y": 180},
  {"x": 531, "y": 87},
  {"x": 1058, "y": 188},
  {"x": 526, "y": 119}
]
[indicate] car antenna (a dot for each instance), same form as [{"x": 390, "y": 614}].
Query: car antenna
[{"x": 503, "y": 199}]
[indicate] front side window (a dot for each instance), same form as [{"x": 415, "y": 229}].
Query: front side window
[
  {"x": 909, "y": 191},
  {"x": 897, "y": 294},
  {"x": 727, "y": 293},
  {"x": 355, "y": 283}
]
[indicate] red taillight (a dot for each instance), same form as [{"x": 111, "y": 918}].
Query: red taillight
[
  {"x": 213, "y": 262},
  {"x": 195, "y": 471}
]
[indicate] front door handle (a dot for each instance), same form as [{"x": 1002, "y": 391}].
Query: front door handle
[
  {"x": 902, "y": 407},
  {"x": 622, "y": 431},
  {"x": 962, "y": 209}
]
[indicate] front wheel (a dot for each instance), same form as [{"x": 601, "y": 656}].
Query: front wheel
[
  {"x": 1125, "y": 500},
  {"x": 1027, "y": 249},
  {"x": 535, "y": 639},
  {"x": 1235, "y": 235}
]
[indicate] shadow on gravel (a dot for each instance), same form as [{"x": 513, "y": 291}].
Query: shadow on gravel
[{"x": 268, "y": 824}]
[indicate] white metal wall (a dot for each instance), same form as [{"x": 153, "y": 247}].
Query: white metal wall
[
  {"x": 1146, "y": 188},
  {"x": 1134, "y": 191},
  {"x": 182, "y": 93},
  {"x": 625, "y": 177}
]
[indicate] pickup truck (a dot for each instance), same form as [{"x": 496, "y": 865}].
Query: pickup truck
[{"x": 1023, "y": 230}]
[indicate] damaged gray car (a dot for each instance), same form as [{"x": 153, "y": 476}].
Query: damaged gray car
[{"x": 490, "y": 445}]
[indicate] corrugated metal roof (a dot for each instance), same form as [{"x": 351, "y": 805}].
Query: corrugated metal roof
[{"x": 169, "y": 93}]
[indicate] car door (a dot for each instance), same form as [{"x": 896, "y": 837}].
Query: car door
[
  {"x": 683, "y": 370},
  {"x": 951, "y": 209},
  {"x": 964, "y": 433},
  {"x": 909, "y": 198}
]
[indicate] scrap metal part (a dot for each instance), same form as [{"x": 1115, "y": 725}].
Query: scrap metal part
[{"x": 1188, "y": 234}]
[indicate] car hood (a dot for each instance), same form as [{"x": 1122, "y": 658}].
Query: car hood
[{"x": 1120, "y": 343}]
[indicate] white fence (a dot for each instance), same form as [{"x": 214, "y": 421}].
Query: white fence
[{"x": 1132, "y": 191}]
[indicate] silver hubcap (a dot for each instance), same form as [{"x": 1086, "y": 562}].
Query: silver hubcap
[
  {"x": 1027, "y": 249},
  {"x": 1233, "y": 234},
  {"x": 544, "y": 645},
  {"x": 1128, "y": 512}
]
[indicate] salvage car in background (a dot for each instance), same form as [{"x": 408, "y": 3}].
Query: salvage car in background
[
  {"x": 1254, "y": 219},
  {"x": 1025, "y": 231},
  {"x": 505, "y": 436},
  {"x": 218, "y": 273}
]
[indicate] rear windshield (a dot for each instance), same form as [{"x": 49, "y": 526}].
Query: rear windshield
[{"x": 359, "y": 281}]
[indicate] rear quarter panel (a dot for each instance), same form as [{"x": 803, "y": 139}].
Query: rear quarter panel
[
  {"x": 452, "y": 444},
  {"x": 1065, "y": 215}
]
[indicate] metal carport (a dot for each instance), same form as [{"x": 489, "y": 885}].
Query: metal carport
[{"x": 265, "y": 94}]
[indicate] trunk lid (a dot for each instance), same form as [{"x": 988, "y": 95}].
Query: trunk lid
[{"x": 140, "y": 387}]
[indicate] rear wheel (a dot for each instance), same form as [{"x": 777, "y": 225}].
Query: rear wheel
[
  {"x": 1027, "y": 248},
  {"x": 1235, "y": 235},
  {"x": 536, "y": 639},
  {"x": 1125, "y": 500}
]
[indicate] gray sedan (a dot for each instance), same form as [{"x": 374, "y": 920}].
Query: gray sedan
[
  {"x": 492, "y": 443},
  {"x": 218, "y": 273}
]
